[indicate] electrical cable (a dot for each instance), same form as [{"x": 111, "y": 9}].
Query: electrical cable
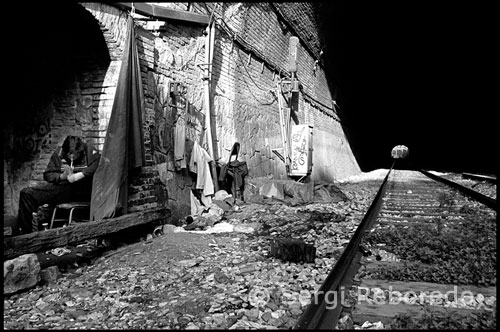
[
  {"x": 265, "y": 90},
  {"x": 269, "y": 63},
  {"x": 249, "y": 89}
]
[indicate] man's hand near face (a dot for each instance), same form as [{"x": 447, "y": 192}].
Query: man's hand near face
[{"x": 67, "y": 171}]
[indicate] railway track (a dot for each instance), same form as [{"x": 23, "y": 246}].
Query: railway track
[
  {"x": 480, "y": 177},
  {"x": 425, "y": 251}
]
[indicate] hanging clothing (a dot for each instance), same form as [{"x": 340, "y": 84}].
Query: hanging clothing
[
  {"x": 124, "y": 144},
  {"x": 237, "y": 169},
  {"x": 180, "y": 144},
  {"x": 234, "y": 171},
  {"x": 198, "y": 164}
]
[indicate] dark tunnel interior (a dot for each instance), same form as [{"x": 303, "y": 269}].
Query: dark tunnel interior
[
  {"x": 47, "y": 53},
  {"x": 416, "y": 74}
]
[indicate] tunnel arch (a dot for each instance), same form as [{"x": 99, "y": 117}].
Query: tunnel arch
[{"x": 64, "y": 72}]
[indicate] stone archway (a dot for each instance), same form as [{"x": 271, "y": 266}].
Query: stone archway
[
  {"x": 112, "y": 23},
  {"x": 69, "y": 60}
]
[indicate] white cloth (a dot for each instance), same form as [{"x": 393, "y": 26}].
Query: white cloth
[
  {"x": 196, "y": 207},
  {"x": 206, "y": 199},
  {"x": 199, "y": 165},
  {"x": 221, "y": 195},
  {"x": 222, "y": 227}
]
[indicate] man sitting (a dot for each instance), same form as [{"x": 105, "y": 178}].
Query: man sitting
[{"x": 69, "y": 175}]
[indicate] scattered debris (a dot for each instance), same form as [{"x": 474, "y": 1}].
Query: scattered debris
[
  {"x": 222, "y": 277},
  {"x": 59, "y": 251},
  {"x": 372, "y": 326}
]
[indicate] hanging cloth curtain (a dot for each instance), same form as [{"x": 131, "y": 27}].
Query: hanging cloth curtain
[{"x": 124, "y": 145}]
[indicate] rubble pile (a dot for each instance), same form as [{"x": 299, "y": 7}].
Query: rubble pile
[{"x": 195, "y": 280}]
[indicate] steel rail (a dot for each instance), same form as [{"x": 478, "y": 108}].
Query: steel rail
[
  {"x": 318, "y": 315},
  {"x": 479, "y": 177},
  {"x": 488, "y": 201}
]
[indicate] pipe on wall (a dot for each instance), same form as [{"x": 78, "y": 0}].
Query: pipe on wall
[{"x": 209, "y": 53}]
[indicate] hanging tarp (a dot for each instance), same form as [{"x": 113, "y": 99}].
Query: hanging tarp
[{"x": 124, "y": 145}]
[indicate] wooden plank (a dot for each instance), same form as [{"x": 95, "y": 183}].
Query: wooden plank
[
  {"x": 419, "y": 287},
  {"x": 374, "y": 266},
  {"x": 413, "y": 206},
  {"x": 400, "y": 205},
  {"x": 78, "y": 232},
  {"x": 394, "y": 224},
  {"x": 403, "y": 223},
  {"x": 412, "y": 195},
  {"x": 425, "y": 213},
  {"x": 161, "y": 12},
  {"x": 370, "y": 265},
  {"x": 385, "y": 313},
  {"x": 423, "y": 220}
]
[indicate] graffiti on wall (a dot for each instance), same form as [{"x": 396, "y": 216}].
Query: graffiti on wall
[
  {"x": 299, "y": 149},
  {"x": 38, "y": 139},
  {"x": 33, "y": 140}
]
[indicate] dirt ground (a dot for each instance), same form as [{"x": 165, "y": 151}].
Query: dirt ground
[{"x": 200, "y": 281}]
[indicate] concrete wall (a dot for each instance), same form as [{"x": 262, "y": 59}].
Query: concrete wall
[
  {"x": 331, "y": 154},
  {"x": 250, "y": 57}
]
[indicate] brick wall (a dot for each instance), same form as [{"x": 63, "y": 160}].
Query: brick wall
[
  {"x": 74, "y": 106},
  {"x": 113, "y": 25},
  {"x": 173, "y": 56},
  {"x": 144, "y": 189},
  {"x": 250, "y": 57}
]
